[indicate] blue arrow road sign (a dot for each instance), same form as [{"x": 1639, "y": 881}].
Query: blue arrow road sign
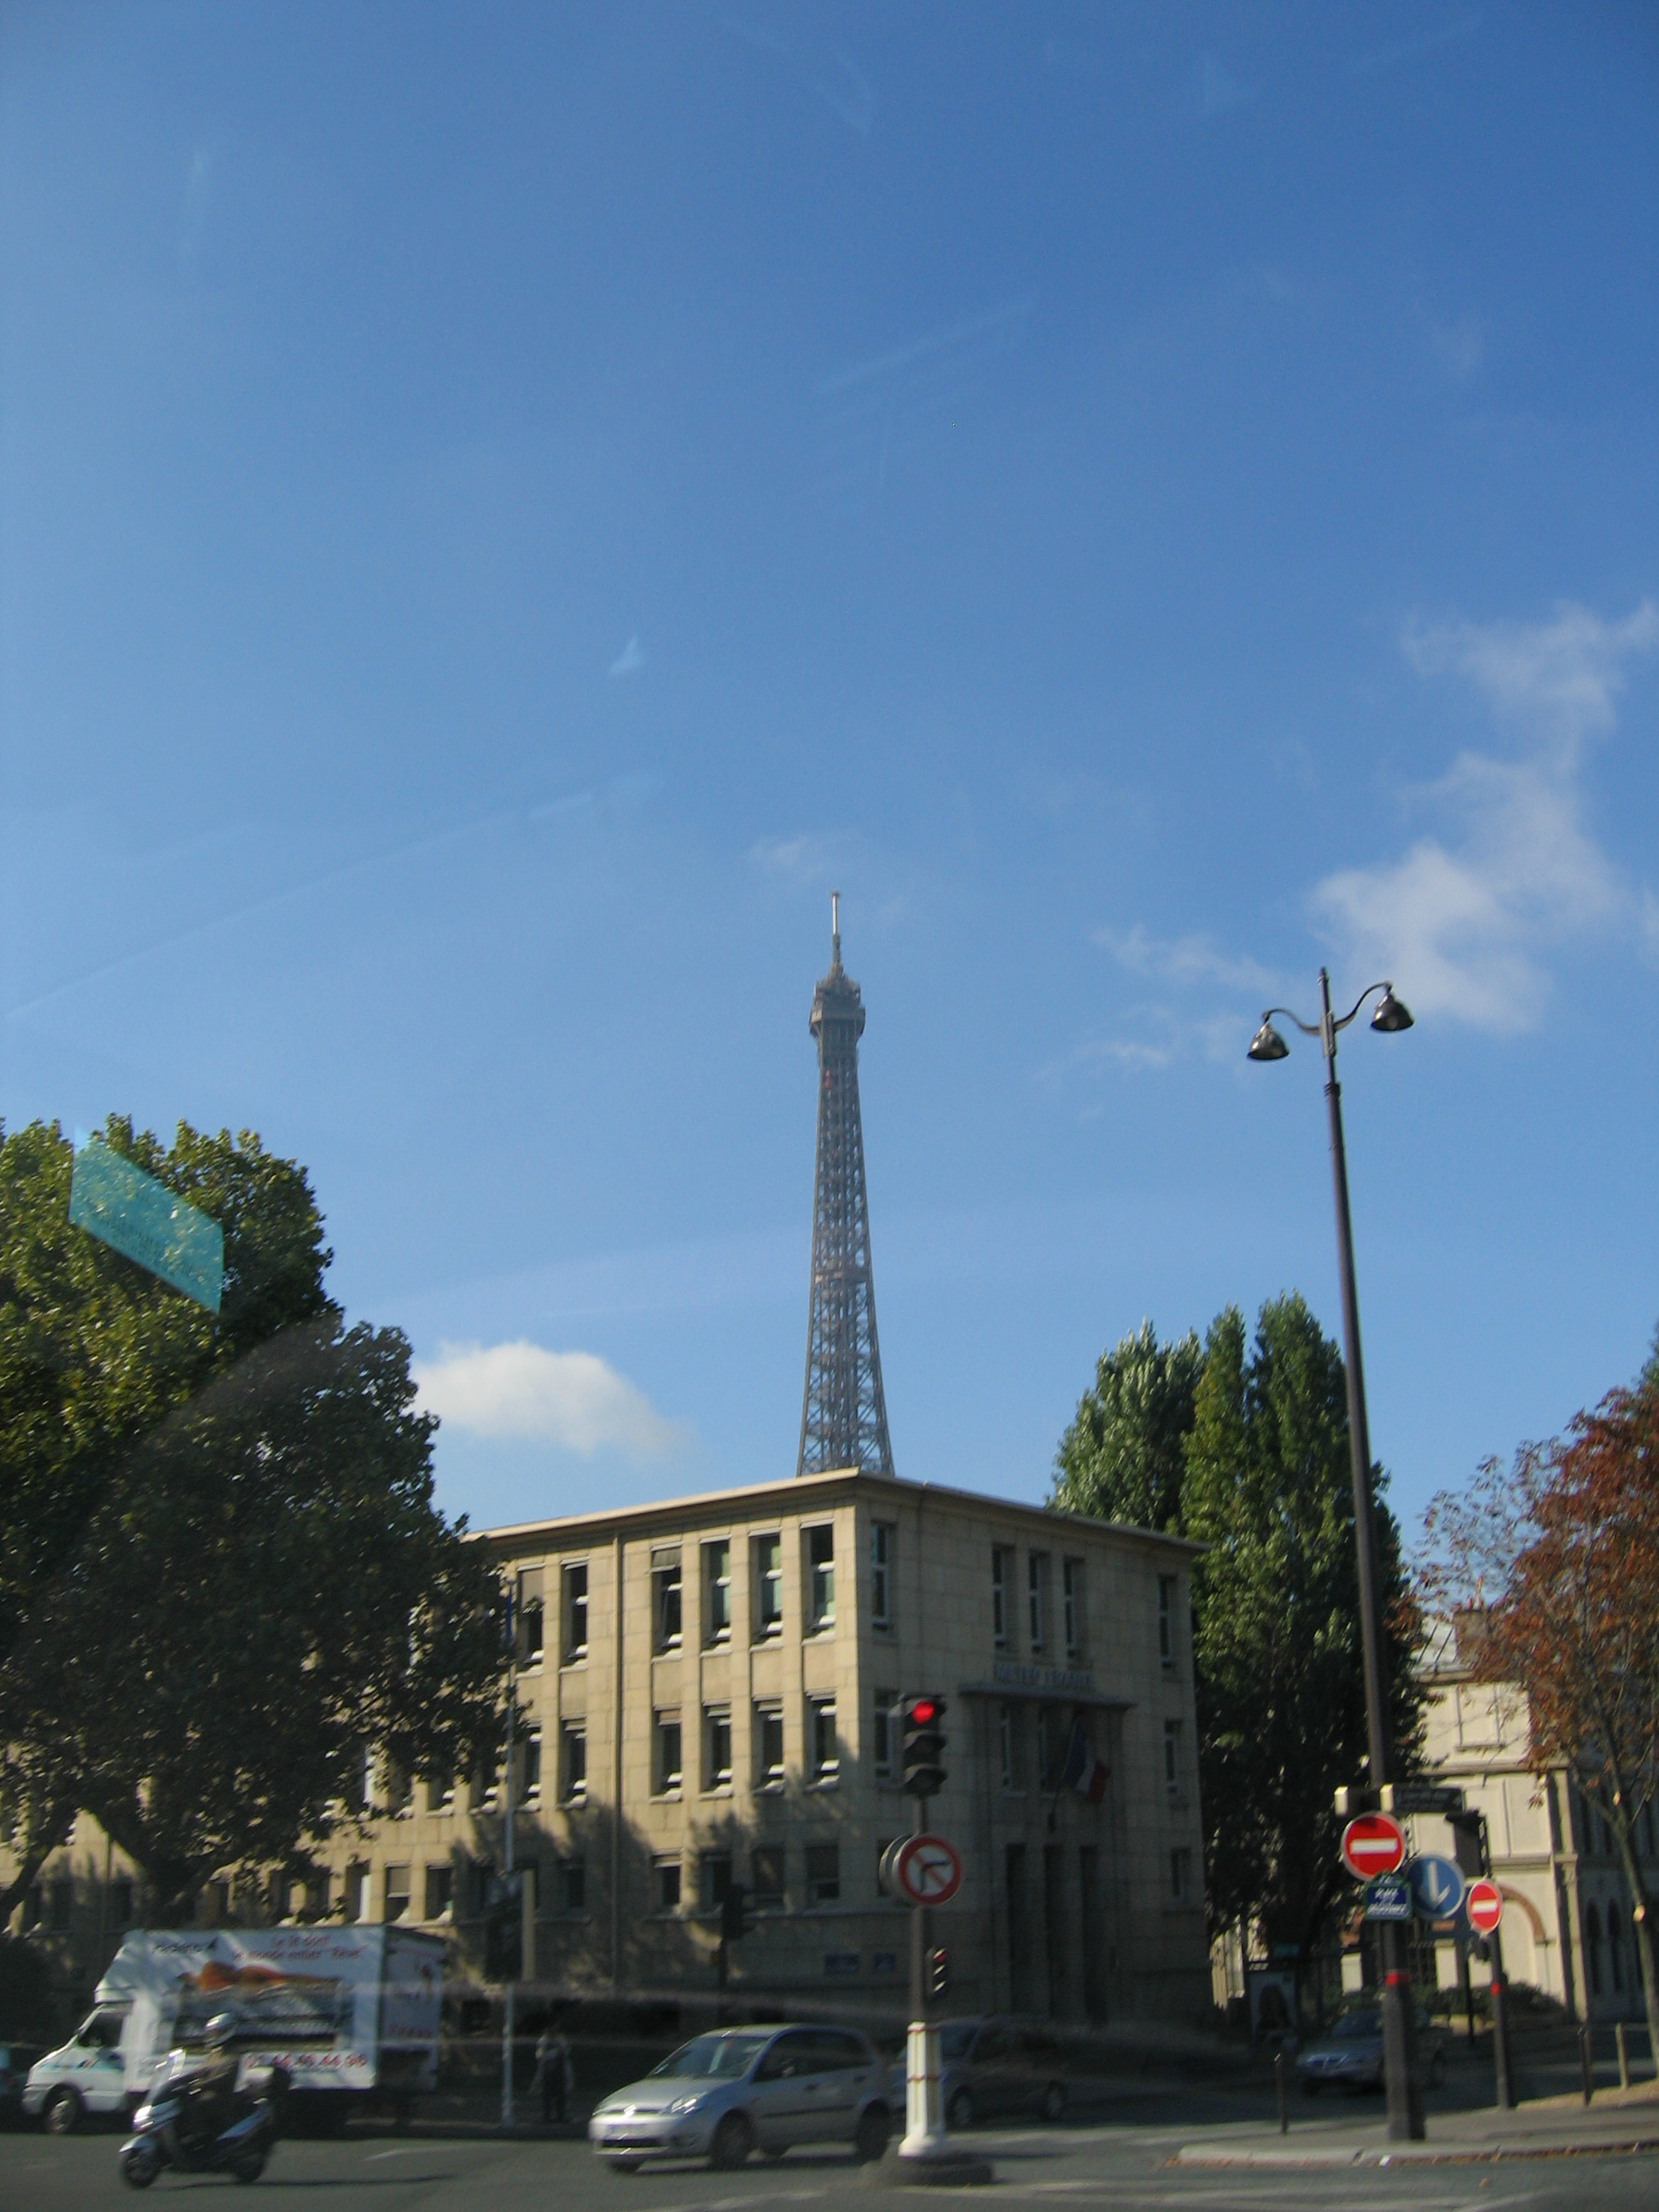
[
  {"x": 1436, "y": 1886},
  {"x": 1388, "y": 1897}
]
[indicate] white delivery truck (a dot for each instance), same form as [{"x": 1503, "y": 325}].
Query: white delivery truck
[{"x": 350, "y": 2012}]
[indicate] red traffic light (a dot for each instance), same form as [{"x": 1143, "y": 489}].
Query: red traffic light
[{"x": 923, "y": 1711}]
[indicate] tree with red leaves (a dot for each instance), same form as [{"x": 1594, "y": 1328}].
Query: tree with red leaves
[{"x": 1563, "y": 1556}]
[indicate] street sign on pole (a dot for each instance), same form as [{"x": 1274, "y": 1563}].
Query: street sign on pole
[
  {"x": 1388, "y": 1897},
  {"x": 1485, "y": 1906},
  {"x": 1374, "y": 1844},
  {"x": 1402, "y": 1797},
  {"x": 1436, "y": 1886},
  {"x": 928, "y": 1870}
]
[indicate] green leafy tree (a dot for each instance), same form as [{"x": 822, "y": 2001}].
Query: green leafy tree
[
  {"x": 1245, "y": 1450},
  {"x": 224, "y": 1572},
  {"x": 1123, "y": 1457},
  {"x": 1277, "y": 1643}
]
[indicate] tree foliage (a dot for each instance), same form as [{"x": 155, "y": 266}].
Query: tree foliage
[
  {"x": 1244, "y": 1448},
  {"x": 1561, "y": 1556},
  {"x": 1277, "y": 1657},
  {"x": 221, "y": 1569},
  {"x": 1123, "y": 1457}
]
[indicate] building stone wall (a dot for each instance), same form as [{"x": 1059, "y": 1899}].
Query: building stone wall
[{"x": 1067, "y": 1908}]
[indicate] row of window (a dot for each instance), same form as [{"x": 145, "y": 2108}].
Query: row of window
[
  {"x": 714, "y": 1574},
  {"x": 428, "y": 1893},
  {"x": 821, "y": 1766}
]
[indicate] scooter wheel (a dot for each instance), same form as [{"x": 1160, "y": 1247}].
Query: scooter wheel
[
  {"x": 250, "y": 2163},
  {"x": 140, "y": 2165}
]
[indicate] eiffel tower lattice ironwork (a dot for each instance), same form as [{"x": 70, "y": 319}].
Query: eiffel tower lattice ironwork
[{"x": 844, "y": 1420}]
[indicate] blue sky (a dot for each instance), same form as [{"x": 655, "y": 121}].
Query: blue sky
[{"x": 501, "y": 510}]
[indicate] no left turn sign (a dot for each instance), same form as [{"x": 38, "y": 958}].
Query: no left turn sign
[{"x": 928, "y": 1870}]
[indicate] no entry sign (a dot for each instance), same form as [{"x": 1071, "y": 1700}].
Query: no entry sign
[
  {"x": 928, "y": 1870},
  {"x": 1374, "y": 1844},
  {"x": 1485, "y": 1906}
]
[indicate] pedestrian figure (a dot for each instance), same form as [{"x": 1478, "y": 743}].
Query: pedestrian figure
[{"x": 555, "y": 2074}]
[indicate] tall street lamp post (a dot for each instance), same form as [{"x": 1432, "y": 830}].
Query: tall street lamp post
[{"x": 1405, "y": 2104}]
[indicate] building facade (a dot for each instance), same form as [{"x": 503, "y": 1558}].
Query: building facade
[
  {"x": 710, "y": 1689},
  {"x": 1567, "y": 1929}
]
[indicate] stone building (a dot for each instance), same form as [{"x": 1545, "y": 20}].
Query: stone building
[
  {"x": 1566, "y": 1928},
  {"x": 711, "y": 1688}
]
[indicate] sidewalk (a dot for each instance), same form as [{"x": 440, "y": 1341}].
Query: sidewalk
[{"x": 1552, "y": 2127}]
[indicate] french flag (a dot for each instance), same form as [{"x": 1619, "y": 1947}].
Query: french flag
[{"x": 1085, "y": 1773}]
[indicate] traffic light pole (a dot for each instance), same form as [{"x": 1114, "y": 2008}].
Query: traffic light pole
[{"x": 510, "y": 1989}]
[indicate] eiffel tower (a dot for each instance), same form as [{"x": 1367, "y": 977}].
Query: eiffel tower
[{"x": 843, "y": 1417}]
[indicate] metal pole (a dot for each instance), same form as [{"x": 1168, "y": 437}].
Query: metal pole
[
  {"x": 509, "y": 1991},
  {"x": 1624, "y": 2054},
  {"x": 1281, "y": 2071},
  {"x": 1587, "y": 2062},
  {"x": 1503, "y": 2070},
  {"x": 1405, "y": 2102}
]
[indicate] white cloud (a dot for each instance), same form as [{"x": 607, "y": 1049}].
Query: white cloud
[
  {"x": 1560, "y": 679},
  {"x": 1464, "y": 922},
  {"x": 630, "y": 660},
  {"x": 1191, "y": 959},
  {"x": 570, "y": 1399}
]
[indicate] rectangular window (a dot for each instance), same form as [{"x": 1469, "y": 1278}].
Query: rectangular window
[
  {"x": 1002, "y": 1576},
  {"x": 573, "y": 1762},
  {"x": 1180, "y": 1875},
  {"x": 530, "y": 1767},
  {"x": 120, "y": 1903},
  {"x": 766, "y": 1874},
  {"x": 1071, "y": 1594},
  {"x": 439, "y": 1890},
  {"x": 396, "y": 1893},
  {"x": 1166, "y": 1605},
  {"x": 825, "y": 1748},
  {"x": 717, "y": 1747},
  {"x": 769, "y": 1747},
  {"x": 667, "y": 1776},
  {"x": 820, "y": 1579},
  {"x": 1172, "y": 1758},
  {"x": 768, "y": 1586},
  {"x": 441, "y": 1793},
  {"x": 885, "y": 1735},
  {"x": 356, "y": 1891},
  {"x": 530, "y": 1617},
  {"x": 667, "y": 1872},
  {"x": 665, "y": 1598},
  {"x": 714, "y": 1879},
  {"x": 717, "y": 1592},
  {"x": 1053, "y": 1742},
  {"x": 62, "y": 1894},
  {"x": 1036, "y": 1587},
  {"x": 574, "y": 1606},
  {"x": 1008, "y": 1746},
  {"x": 573, "y": 1884},
  {"x": 884, "y": 1545},
  {"x": 399, "y": 1795},
  {"x": 824, "y": 1874}
]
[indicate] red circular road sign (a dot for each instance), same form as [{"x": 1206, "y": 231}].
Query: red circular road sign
[
  {"x": 1484, "y": 1902},
  {"x": 1374, "y": 1844},
  {"x": 928, "y": 1870}
]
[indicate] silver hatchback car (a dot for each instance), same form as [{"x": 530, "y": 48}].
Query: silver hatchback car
[{"x": 742, "y": 2090}]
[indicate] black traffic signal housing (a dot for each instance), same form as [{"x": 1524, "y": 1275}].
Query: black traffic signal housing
[
  {"x": 735, "y": 1921},
  {"x": 924, "y": 1744},
  {"x": 504, "y": 1928},
  {"x": 938, "y": 1972}
]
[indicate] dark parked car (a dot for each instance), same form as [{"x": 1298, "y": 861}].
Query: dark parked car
[
  {"x": 993, "y": 2066},
  {"x": 1349, "y": 2055},
  {"x": 15, "y": 2060}
]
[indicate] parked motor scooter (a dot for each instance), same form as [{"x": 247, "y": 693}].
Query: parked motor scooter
[{"x": 190, "y": 2122}]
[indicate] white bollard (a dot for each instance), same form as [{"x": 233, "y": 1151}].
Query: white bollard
[{"x": 925, "y": 2134}]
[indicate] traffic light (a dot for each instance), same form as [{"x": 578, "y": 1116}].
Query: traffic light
[
  {"x": 924, "y": 1743},
  {"x": 735, "y": 1922},
  {"x": 504, "y": 1928},
  {"x": 938, "y": 1972}
]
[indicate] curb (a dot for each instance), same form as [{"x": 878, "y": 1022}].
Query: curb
[{"x": 1373, "y": 2154}]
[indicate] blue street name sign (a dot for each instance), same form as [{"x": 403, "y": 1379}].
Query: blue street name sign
[
  {"x": 1388, "y": 1897},
  {"x": 1436, "y": 1886}
]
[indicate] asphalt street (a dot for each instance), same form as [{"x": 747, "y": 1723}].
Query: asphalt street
[{"x": 1123, "y": 2166}]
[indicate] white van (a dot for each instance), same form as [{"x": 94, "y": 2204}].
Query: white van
[{"x": 345, "y": 2010}]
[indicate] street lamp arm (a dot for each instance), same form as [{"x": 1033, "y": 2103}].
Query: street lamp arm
[
  {"x": 1308, "y": 1028},
  {"x": 1387, "y": 990}
]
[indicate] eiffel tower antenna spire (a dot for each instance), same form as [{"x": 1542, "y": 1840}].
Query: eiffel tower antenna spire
[{"x": 843, "y": 1419}]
